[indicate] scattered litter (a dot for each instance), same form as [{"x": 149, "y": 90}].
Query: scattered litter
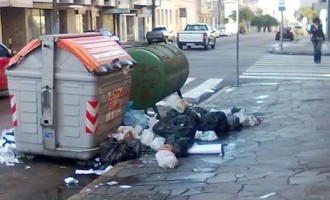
[
  {"x": 8, "y": 152},
  {"x": 210, "y": 91},
  {"x": 96, "y": 186},
  {"x": 152, "y": 122},
  {"x": 135, "y": 117},
  {"x": 87, "y": 190},
  {"x": 177, "y": 103},
  {"x": 206, "y": 135},
  {"x": 262, "y": 97},
  {"x": 247, "y": 120},
  {"x": 92, "y": 171},
  {"x": 112, "y": 183},
  {"x": 166, "y": 159},
  {"x": 71, "y": 180},
  {"x": 27, "y": 167},
  {"x": 125, "y": 186},
  {"x": 206, "y": 149},
  {"x": 267, "y": 195}
]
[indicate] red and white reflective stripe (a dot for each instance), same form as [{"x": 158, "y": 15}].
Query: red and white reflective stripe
[
  {"x": 92, "y": 109},
  {"x": 13, "y": 109}
]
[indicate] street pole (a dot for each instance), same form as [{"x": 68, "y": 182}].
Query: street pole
[
  {"x": 54, "y": 20},
  {"x": 237, "y": 44},
  {"x": 153, "y": 13},
  {"x": 281, "y": 30},
  {"x": 328, "y": 21}
]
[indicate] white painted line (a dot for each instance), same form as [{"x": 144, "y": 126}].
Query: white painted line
[
  {"x": 286, "y": 74},
  {"x": 283, "y": 77},
  {"x": 212, "y": 83},
  {"x": 189, "y": 80},
  {"x": 163, "y": 102}
]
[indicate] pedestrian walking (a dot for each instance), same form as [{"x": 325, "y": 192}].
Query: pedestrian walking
[{"x": 317, "y": 38}]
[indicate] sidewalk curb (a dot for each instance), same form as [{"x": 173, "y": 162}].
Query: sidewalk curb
[
  {"x": 283, "y": 52},
  {"x": 103, "y": 179},
  {"x": 217, "y": 94}
]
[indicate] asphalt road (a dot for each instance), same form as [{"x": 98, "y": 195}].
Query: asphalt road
[
  {"x": 221, "y": 62},
  {"x": 43, "y": 178}
]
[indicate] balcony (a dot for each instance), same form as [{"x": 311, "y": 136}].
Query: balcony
[
  {"x": 146, "y": 2},
  {"x": 16, "y": 3}
]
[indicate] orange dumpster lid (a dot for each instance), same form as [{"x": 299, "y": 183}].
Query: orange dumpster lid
[
  {"x": 92, "y": 51},
  {"x": 23, "y": 52}
]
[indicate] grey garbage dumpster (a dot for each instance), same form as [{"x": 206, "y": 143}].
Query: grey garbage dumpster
[{"x": 68, "y": 92}]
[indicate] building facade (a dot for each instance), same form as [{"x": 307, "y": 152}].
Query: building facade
[{"x": 24, "y": 20}]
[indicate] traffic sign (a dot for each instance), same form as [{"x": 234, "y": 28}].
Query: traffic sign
[{"x": 281, "y": 5}]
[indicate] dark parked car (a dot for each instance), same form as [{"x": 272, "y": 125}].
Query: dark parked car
[
  {"x": 288, "y": 33},
  {"x": 160, "y": 34}
]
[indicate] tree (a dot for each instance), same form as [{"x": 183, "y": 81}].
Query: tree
[
  {"x": 269, "y": 22},
  {"x": 232, "y": 15},
  {"x": 258, "y": 21},
  {"x": 245, "y": 15},
  {"x": 309, "y": 13},
  {"x": 264, "y": 21}
]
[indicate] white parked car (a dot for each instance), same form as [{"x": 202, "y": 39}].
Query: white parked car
[
  {"x": 223, "y": 32},
  {"x": 198, "y": 34}
]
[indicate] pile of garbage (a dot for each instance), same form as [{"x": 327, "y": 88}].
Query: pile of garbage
[{"x": 173, "y": 135}]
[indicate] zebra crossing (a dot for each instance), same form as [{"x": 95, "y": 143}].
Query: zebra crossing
[
  {"x": 202, "y": 91},
  {"x": 288, "y": 67}
]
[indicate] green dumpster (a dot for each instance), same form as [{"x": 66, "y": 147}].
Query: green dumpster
[{"x": 161, "y": 70}]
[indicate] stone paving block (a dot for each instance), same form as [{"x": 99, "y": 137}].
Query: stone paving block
[
  {"x": 192, "y": 177},
  {"x": 192, "y": 191},
  {"x": 180, "y": 186},
  {"x": 227, "y": 188},
  {"x": 178, "y": 198},
  {"x": 212, "y": 196},
  {"x": 223, "y": 178}
]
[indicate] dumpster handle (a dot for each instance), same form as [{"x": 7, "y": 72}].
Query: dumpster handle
[{"x": 76, "y": 150}]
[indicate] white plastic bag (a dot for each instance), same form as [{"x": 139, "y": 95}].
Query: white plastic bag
[
  {"x": 147, "y": 136},
  {"x": 137, "y": 131},
  {"x": 157, "y": 143},
  {"x": 166, "y": 159},
  {"x": 206, "y": 135}
]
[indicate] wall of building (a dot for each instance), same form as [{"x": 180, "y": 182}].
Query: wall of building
[
  {"x": 14, "y": 28},
  {"x": 71, "y": 24},
  {"x": 107, "y": 22}
]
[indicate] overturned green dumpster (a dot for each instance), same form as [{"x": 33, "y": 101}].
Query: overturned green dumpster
[{"x": 161, "y": 69}]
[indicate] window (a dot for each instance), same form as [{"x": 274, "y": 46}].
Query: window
[{"x": 37, "y": 22}]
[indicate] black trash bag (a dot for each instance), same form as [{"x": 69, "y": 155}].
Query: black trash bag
[
  {"x": 233, "y": 122},
  {"x": 235, "y": 110},
  {"x": 223, "y": 126},
  {"x": 172, "y": 113},
  {"x": 181, "y": 125},
  {"x": 180, "y": 144},
  {"x": 196, "y": 113},
  {"x": 113, "y": 152},
  {"x": 214, "y": 121}
]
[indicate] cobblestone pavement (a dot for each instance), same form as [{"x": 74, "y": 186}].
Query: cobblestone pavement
[{"x": 283, "y": 158}]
